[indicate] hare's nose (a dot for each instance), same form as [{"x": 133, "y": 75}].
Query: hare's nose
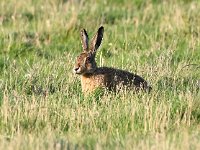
[{"x": 75, "y": 69}]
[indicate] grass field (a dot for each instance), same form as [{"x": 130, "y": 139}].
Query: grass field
[{"x": 41, "y": 103}]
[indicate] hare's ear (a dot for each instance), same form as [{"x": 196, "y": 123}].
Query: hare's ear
[
  {"x": 84, "y": 40},
  {"x": 96, "y": 40}
]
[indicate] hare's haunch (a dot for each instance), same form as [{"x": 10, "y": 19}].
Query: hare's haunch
[{"x": 93, "y": 77}]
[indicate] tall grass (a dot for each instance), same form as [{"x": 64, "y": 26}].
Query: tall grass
[{"x": 41, "y": 103}]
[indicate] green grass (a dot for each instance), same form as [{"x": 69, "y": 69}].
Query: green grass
[{"x": 41, "y": 103}]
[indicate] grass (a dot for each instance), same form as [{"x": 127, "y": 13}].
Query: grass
[{"x": 41, "y": 103}]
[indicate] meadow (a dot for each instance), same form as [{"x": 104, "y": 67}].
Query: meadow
[{"x": 41, "y": 104}]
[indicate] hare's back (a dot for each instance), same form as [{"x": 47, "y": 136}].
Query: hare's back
[{"x": 116, "y": 77}]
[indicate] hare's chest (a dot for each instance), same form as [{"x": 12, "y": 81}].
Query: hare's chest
[{"x": 91, "y": 83}]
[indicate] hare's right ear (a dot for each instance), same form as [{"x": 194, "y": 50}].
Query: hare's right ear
[
  {"x": 84, "y": 40},
  {"x": 96, "y": 40}
]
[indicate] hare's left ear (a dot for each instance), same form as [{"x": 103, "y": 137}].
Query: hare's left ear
[
  {"x": 96, "y": 40},
  {"x": 84, "y": 40}
]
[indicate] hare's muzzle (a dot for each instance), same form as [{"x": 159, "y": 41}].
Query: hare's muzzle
[{"x": 77, "y": 70}]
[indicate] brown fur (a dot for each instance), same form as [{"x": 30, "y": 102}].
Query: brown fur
[{"x": 93, "y": 77}]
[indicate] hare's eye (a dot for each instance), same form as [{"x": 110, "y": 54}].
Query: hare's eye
[{"x": 88, "y": 59}]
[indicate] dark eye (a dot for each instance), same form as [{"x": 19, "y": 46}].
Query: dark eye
[{"x": 88, "y": 59}]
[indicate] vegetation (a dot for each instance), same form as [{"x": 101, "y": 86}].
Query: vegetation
[{"x": 41, "y": 103}]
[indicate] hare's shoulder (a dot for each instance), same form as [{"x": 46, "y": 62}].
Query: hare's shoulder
[
  {"x": 113, "y": 71},
  {"x": 104, "y": 70}
]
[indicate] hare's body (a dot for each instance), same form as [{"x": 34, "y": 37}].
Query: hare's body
[
  {"x": 93, "y": 77},
  {"x": 112, "y": 80}
]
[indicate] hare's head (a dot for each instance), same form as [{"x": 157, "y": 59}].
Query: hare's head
[{"x": 85, "y": 62}]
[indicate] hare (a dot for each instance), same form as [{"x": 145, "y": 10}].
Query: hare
[{"x": 93, "y": 77}]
